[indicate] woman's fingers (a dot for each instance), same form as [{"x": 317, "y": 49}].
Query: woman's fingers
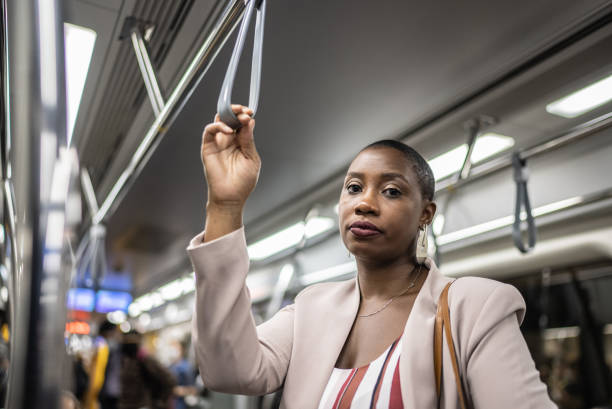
[
  {"x": 223, "y": 140},
  {"x": 242, "y": 113},
  {"x": 218, "y": 133},
  {"x": 218, "y": 127},
  {"x": 236, "y": 108},
  {"x": 246, "y": 141},
  {"x": 244, "y": 119},
  {"x": 223, "y": 135}
]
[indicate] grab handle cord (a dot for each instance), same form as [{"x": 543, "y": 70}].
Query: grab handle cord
[
  {"x": 224, "y": 106},
  {"x": 521, "y": 176}
]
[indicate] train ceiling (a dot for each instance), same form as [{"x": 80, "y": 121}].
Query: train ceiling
[{"x": 336, "y": 76}]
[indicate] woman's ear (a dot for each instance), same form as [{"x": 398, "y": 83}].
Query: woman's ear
[{"x": 428, "y": 213}]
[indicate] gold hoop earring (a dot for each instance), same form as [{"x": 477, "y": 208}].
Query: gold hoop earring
[{"x": 421, "y": 250}]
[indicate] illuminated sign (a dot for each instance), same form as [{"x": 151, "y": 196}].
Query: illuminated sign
[
  {"x": 82, "y": 299},
  {"x": 108, "y": 301},
  {"x": 78, "y": 327}
]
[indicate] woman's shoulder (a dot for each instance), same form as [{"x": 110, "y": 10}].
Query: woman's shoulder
[{"x": 474, "y": 296}]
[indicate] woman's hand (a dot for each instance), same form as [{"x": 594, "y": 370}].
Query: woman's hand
[{"x": 231, "y": 165}]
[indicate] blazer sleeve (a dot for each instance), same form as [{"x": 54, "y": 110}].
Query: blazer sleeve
[
  {"x": 500, "y": 370},
  {"x": 235, "y": 356}
]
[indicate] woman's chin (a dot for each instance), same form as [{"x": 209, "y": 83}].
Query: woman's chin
[{"x": 365, "y": 252}]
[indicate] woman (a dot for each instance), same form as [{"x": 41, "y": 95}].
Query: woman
[{"x": 352, "y": 343}]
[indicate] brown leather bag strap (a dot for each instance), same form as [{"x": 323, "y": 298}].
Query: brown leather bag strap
[
  {"x": 438, "y": 346},
  {"x": 443, "y": 321}
]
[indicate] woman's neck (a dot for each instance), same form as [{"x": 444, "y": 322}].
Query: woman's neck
[{"x": 383, "y": 280}]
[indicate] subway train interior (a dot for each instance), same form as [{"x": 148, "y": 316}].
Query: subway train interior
[{"x": 104, "y": 103}]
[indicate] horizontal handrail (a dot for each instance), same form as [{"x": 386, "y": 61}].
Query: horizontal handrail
[{"x": 194, "y": 73}]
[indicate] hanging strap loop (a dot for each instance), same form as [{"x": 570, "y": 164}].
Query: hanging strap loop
[
  {"x": 224, "y": 105},
  {"x": 521, "y": 175}
]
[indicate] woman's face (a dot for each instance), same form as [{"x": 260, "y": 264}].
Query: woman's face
[{"x": 381, "y": 206}]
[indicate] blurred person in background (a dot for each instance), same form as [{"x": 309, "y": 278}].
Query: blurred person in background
[
  {"x": 4, "y": 366},
  {"x": 69, "y": 401},
  {"x": 103, "y": 391},
  {"x": 184, "y": 373},
  {"x": 81, "y": 377},
  {"x": 145, "y": 383}
]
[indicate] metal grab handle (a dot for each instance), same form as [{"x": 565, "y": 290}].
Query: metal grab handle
[
  {"x": 522, "y": 200},
  {"x": 224, "y": 106}
]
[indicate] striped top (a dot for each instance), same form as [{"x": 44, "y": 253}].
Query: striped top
[{"x": 373, "y": 386}]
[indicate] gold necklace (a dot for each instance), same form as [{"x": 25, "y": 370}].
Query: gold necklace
[{"x": 411, "y": 285}]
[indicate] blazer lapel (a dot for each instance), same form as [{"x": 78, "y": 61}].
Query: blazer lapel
[
  {"x": 323, "y": 320},
  {"x": 322, "y": 326},
  {"x": 416, "y": 361}
]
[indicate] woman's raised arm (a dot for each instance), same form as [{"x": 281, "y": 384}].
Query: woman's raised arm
[
  {"x": 234, "y": 356},
  {"x": 231, "y": 165}
]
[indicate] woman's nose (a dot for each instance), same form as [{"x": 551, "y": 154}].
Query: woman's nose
[{"x": 366, "y": 204}]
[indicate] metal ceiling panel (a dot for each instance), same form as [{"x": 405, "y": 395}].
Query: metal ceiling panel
[{"x": 124, "y": 93}]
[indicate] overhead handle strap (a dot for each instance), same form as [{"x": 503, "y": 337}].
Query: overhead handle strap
[
  {"x": 521, "y": 175},
  {"x": 224, "y": 105}
]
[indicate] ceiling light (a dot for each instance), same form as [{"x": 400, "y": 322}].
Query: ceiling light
[
  {"x": 285, "y": 275},
  {"x": 134, "y": 309},
  {"x": 583, "y": 100},
  {"x": 148, "y": 301},
  {"x": 79, "y": 44},
  {"x": 318, "y": 225},
  {"x": 171, "y": 312},
  {"x": 187, "y": 284},
  {"x": 116, "y": 317},
  {"x": 172, "y": 290},
  {"x": 449, "y": 162},
  {"x": 487, "y": 145},
  {"x": 490, "y": 144},
  {"x": 289, "y": 237},
  {"x": 506, "y": 221},
  {"x": 144, "y": 320},
  {"x": 125, "y": 327}
]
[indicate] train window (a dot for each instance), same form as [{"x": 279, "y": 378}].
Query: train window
[{"x": 568, "y": 332}]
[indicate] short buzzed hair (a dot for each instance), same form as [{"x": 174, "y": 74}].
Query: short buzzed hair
[{"x": 422, "y": 170}]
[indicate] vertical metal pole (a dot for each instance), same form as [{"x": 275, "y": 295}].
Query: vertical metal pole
[
  {"x": 41, "y": 181},
  {"x": 147, "y": 71},
  {"x": 89, "y": 192},
  {"x": 473, "y": 127},
  {"x": 280, "y": 289}
]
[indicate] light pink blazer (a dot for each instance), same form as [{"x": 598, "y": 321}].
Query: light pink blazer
[{"x": 300, "y": 345}]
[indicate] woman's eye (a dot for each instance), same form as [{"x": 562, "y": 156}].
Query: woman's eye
[
  {"x": 392, "y": 192},
  {"x": 353, "y": 188}
]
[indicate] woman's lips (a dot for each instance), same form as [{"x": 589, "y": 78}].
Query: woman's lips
[
  {"x": 364, "y": 229},
  {"x": 359, "y": 232}
]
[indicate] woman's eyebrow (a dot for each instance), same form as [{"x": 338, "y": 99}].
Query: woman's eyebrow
[
  {"x": 382, "y": 176},
  {"x": 392, "y": 175}
]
